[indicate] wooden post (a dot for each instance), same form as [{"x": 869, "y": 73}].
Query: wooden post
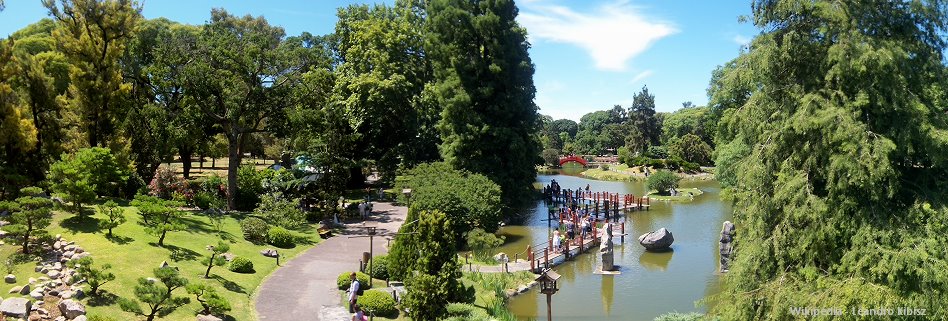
[
  {"x": 622, "y": 237},
  {"x": 546, "y": 258},
  {"x": 567, "y": 248},
  {"x": 530, "y": 256}
]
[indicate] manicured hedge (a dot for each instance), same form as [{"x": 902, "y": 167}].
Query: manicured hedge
[
  {"x": 343, "y": 280},
  {"x": 241, "y": 265},
  {"x": 378, "y": 303}
]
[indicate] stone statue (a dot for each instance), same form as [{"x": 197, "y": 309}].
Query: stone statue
[
  {"x": 605, "y": 248},
  {"x": 727, "y": 237}
]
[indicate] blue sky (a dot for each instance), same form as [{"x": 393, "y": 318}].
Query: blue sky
[{"x": 589, "y": 54}]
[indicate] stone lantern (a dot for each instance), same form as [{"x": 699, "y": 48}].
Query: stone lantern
[{"x": 547, "y": 281}]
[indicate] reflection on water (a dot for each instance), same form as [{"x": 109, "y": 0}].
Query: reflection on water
[
  {"x": 650, "y": 284},
  {"x": 655, "y": 261}
]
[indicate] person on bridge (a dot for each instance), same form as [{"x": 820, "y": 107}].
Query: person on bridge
[{"x": 556, "y": 240}]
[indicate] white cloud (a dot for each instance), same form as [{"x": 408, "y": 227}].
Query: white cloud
[
  {"x": 640, "y": 76},
  {"x": 741, "y": 40},
  {"x": 612, "y": 34}
]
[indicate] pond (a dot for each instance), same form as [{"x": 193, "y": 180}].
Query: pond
[{"x": 650, "y": 284}]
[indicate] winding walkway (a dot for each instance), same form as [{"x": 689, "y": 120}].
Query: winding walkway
[{"x": 305, "y": 287}]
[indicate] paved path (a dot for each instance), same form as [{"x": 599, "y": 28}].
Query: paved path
[{"x": 305, "y": 288}]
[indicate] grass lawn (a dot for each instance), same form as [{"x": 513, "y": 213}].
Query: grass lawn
[
  {"x": 683, "y": 195},
  {"x": 134, "y": 253},
  {"x": 218, "y": 166}
]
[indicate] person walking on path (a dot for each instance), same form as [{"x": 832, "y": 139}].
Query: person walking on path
[{"x": 353, "y": 292}]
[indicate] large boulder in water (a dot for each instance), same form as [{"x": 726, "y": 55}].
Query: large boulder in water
[{"x": 657, "y": 240}]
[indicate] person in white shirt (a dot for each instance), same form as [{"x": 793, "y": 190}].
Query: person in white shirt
[
  {"x": 556, "y": 240},
  {"x": 353, "y": 292}
]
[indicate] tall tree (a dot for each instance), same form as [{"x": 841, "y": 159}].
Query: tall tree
[
  {"x": 17, "y": 132},
  {"x": 93, "y": 35},
  {"x": 379, "y": 83},
  {"x": 241, "y": 78},
  {"x": 642, "y": 117},
  {"x": 484, "y": 82},
  {"x": 840, "y": 183}
]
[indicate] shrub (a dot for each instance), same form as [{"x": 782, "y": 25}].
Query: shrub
[
  {"x": 604, "y": 167},
  {"x": 249, "y": 187},
  {"x": 662, "y": 181},
  {"x": 281, "y": 237},
  {"x": 205, "y": 200},
  {"x": 655, "y": 163},
  {"x": 255, "y": 229},
  {"x": 378, "y": 303},
  {"x": 214, "y": 184},
  {"x": 380, "y": 267},
  {"x": 481, "y": 242},
  {"x": 81, "y": 176},
  {"x": 241, "y": 265},
  {"x": 343, "y": 280},
  {"x": 636, "y": 161},
  {"x": 281, "y": 212},
  {"x": 166, "y": 183}
]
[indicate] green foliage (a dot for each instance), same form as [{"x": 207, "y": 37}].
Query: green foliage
[
  {"x": 481, "y": 242},
  {"x": 840, "y": 159},
  {"x": 81, "y": 176},
  {"x": 657, "y": 152},
  {"x": 551, "y": 156},
  {"x": 206, "y": 200},
  {"x": 114, "y": 214},
  {"x": 211, "y": 302},
  {"x": 343, "y": 281},
  {"x": 249, "y": 187},
  {"x": 685, "y": 121},
  {"x": 95, "y": 277},
  {"x": 675, "y": 316},
  {"x": 378, "y": 303},
  {"x": 727, "y": 158},
  {"x": 31, "y": 214},
  {"x": 379, "y": 266},
  {"x": 216, "y": 257},
  {"x": 661, "y": 181},
  {"x": 646, "y": 123},
  {"x": 93, "y": 36},
  {"x": 281, "y": 237},
  {"x": 432, "y": 274},
  {"x": 159, "y": 216},
  {"x": 469, "y": 200},
  {"x": 281, "y": 212},
  {"x": 158, "y": 297},
  {"x": 383, "y": 72},
  {"x": 241, "y": 265},
  {"x": 97, "y": 317},
  {"x": 254, "y": 229},
  {"x": 482, "y": 130},
  {"x": 692, "y": 149}
]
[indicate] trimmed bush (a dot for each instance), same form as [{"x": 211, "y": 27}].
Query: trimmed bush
[
  {"x": 241, "y": 265},
  {"x": 378, "y": 303},
  {"x": 380, "y": 267},
  {"x": 675, "y": 316},
  {"x": 281, "y": 237},
  {"x": 255, "y": 229},
  {"x": 343, "y": 280}
]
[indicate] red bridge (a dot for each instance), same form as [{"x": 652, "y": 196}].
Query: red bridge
[{"x": 573, "y": 158}]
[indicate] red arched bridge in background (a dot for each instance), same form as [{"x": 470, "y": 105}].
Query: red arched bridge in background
[{"x": 573, "y": 158}]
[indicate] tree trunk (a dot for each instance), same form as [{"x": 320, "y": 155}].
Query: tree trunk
[
  {"x": 161, "y": 240},
  {"x": 233, "y": 162},
  {"x": 186, "y": 161},
  {"x": 213, "y": 162},
  {"x": 201, "y": 159},
  {"x": 210, "y": 263},
  {"x": 26, "y": 242}
]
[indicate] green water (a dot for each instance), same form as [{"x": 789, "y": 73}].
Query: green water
[{"x": 650, "y": 284}]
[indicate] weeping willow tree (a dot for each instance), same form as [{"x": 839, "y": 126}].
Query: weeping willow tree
[{"x": 834, "y": 126}]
